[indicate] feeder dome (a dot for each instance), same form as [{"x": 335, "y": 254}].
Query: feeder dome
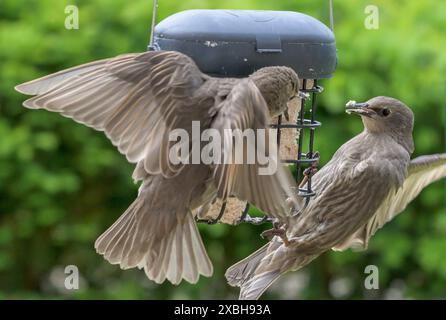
[{"x": 235, "y": 43}]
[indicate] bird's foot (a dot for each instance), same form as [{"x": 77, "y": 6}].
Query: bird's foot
[
  {"x": 279, "y": 232},
  {"x": 311, "y": 170}
]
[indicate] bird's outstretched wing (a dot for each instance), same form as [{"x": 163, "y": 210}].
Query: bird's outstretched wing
[
  {"x": 136, "y": 99},
  {"x": 422, "y": 171},
  {"x": 245, "y": 108}
]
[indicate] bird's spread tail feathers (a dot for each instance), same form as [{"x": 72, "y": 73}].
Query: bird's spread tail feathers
[
  {"x": 182, "y": 255},
  {"x": 136, "y": 240},
  {"x": 243, "y": 275},
  {"x": 243, "y": 270},
  {"x": 258, "y": 271},
  {"x": 255, "y": 287}
]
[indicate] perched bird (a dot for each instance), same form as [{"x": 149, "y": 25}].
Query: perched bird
[
  {"x": 137, "y": 100},
  {"x": 369, "y": 180}
]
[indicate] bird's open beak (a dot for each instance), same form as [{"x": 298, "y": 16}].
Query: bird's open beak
[
  {"x": 303, "y": 95},
  {"x": 360, "y": 108}
]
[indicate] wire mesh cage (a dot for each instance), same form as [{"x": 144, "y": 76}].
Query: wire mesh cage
[{"x": 235, "y": 43}]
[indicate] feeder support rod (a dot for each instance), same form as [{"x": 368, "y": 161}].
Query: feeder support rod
[{"x": 152, "y": 30}]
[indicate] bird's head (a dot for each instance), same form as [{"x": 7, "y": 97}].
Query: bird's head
[
  {"x": 386, "y": 115},
  {"x": 279, "y": 87}
]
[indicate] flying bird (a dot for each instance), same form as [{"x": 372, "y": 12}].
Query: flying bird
[
  {"x": 369, "y": 180},
  {"x": 137, "y": 100}
]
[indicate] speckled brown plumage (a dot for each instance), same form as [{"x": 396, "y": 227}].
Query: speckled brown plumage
[{"x": 369, "y": 180}]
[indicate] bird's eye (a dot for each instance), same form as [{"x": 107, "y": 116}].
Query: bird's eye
[{"x": 385, "y": 112}]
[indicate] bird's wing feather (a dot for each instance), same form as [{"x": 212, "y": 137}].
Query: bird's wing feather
[
  {"x": 136, "y": 99},
  {"x": 47, "y": 83},
  {"x": 245, "y": 108},
  {"x": 422, "y": 171}
]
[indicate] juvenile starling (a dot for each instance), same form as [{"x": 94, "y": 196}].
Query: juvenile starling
[
  {"x": 369, "y": 180},
  {"x": 137, "y": 100}
]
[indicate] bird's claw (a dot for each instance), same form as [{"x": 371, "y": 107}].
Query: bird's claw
[
  {"x": 311, "y": 170},
  {"x": 279, "y": 232}
]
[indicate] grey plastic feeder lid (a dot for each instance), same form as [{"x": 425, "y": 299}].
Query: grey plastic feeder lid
[{"x": 235, "y": 43}]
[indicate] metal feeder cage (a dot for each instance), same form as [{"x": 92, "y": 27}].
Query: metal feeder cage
[{"x": 235, "y": 43}]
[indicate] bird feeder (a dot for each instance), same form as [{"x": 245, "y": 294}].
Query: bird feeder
[{"x": 235, "y": 43}]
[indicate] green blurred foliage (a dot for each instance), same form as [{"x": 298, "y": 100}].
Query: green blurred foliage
[{"x": 62, "y": 184}]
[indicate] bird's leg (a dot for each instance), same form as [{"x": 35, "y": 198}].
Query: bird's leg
[
  {"x": 291, "y": 241},
  {"x": 278, "y": 230},
  {"x": 311, "y": 170},
  {"x": 271, "y": 232},
  {"x": 304, "y": 181},
  {"x": 281, "y": 233}
]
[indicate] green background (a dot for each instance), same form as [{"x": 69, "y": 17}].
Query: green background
[{"x": 62, "y": 184}]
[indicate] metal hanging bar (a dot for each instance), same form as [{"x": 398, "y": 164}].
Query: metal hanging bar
[
  {"x": 300, "y": 121},
  {"x": 152, "y": 30},
  {"x": 313, "y": 112}
]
